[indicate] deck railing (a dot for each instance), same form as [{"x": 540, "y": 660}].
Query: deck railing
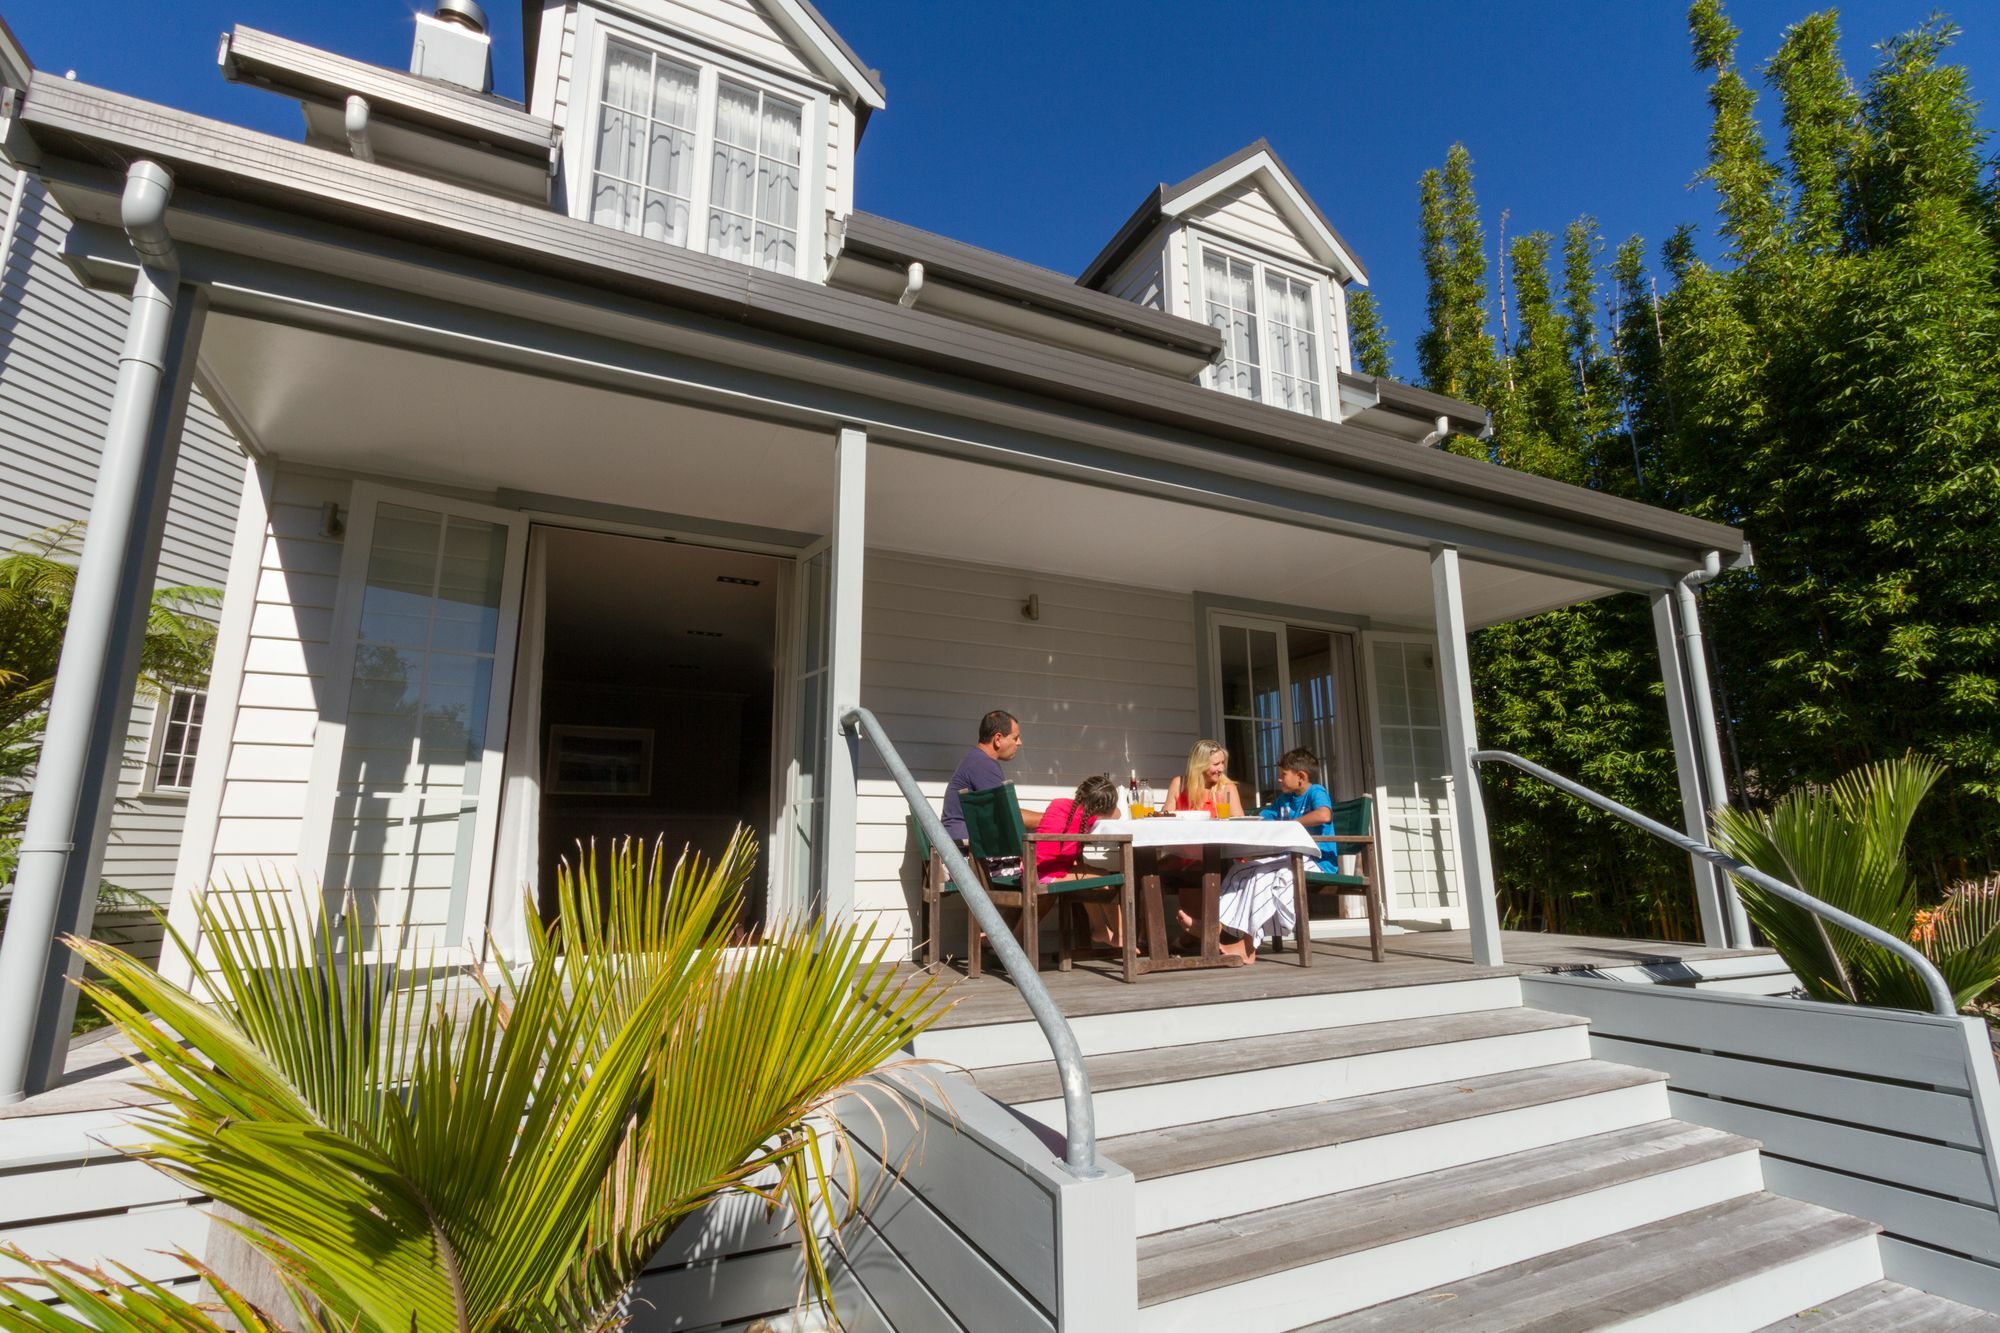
[
  {"x": 1080, "y": 1120},
  {"x": 1934, "y": 982}
]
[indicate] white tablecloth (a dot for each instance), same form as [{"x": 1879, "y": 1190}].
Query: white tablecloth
[{"x": 1236, "y": 837}]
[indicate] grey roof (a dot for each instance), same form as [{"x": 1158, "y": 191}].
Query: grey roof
[
  {"x": 1018, "y": 280},
  {"x": 225, "y": 165},
  {"x": 1149, "y": 213},
  {"x": 308, "y": 72}
]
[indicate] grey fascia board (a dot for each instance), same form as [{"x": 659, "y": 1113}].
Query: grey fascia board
[
  {"x": 106, "y": 129},
  {"x": 1125, "y": 240},
  {"x": 403, "y": 294},
  {"x": 15, "y": 67},
  {"x": 297, "y": 70},
  {"x": 1017, "y": 280},
  {"x": 1409, "y": 400}
]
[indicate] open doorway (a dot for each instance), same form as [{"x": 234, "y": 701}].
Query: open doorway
[{"x": 656, "y": 700}]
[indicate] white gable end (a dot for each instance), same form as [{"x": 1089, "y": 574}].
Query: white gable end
[
  {"x": 1246, "y": 213},
  {"x": 729, "y": 97}
]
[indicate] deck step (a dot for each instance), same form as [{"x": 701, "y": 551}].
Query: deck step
[
  {"x": 1720, "y": 1268},
  {"x": 1279, "y": 1268},
  {"x": 963, "y": 1040},
  {"x": 1193, "y": 1173},
  {"x": 1886, "y": 1307},
  {"x": 1140, "y": 1090}
]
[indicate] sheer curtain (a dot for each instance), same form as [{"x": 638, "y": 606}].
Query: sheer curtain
[{"x": 517, "y": 857}]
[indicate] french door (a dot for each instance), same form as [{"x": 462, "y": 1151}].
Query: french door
[
  {"x": 1281, "y": 684},
  {"x": 798, "y": 863},
  {"x": 402, "y": 806}
]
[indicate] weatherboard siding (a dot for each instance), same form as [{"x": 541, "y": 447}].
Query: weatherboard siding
[
  {"x": 1103, "y": 682},
  {"x": 59, "y": 348}
]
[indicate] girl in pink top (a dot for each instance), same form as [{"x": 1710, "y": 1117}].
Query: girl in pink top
[{"x": 1096, "y": 796}]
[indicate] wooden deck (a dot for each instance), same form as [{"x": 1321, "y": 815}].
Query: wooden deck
[{"x": 1414, "y": 959}]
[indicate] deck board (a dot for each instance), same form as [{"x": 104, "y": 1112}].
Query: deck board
[{"x": 1416, "y": 959}]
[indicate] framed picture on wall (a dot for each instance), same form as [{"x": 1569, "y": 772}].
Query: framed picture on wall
[{"x": 600, "y": 761}]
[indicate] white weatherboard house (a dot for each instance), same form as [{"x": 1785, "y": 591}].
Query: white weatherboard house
[
  {"x": 58, "y": 370},
  {"x": 603, "y": 458}
]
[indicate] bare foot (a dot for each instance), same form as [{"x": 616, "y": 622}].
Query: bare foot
[
  {"x": 1186, "y": 920},
  {"x": 1239, "y": 946}
]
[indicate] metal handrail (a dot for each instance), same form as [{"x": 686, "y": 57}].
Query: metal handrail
[
  {"x": 1934, "y": 982},
  {"x": 1079, "y": 1117}
]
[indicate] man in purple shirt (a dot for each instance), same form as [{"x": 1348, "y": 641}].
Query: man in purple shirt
[{"x": 999, "y": 742}]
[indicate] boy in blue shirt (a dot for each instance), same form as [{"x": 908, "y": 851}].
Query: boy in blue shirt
[{"x": 1257, "y": 896}]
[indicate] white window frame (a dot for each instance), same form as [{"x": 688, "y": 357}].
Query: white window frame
[
  {"x": 1453, "y": 915},
  {"x": 330, "y": 731},
  {"x": 1261, "y": 264},
  {"x": 156, "y": 743},
  {"x": 595, "y": 30},
  {"x": 1220, "y": 617}
]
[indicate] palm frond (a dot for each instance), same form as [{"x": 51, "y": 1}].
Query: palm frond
[
  {"x": 441, "y": 1150},
  {"x": 92, "y": 1300},
  {"x": 1843, "y": 844}
]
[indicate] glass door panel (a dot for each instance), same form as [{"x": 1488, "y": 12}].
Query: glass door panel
[
  {"x": 408, "y": 784},
  {"x": 1252, "y": 690},
  {"x": 805, "y": 804}
]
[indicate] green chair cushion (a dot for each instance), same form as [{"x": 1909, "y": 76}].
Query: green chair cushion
[{"x": 1321, "y": 878}]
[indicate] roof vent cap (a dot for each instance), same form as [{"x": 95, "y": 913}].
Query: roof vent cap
[{"x": 465, "y": 13}]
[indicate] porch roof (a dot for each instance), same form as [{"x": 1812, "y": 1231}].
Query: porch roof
[{"x": 257, "y": 214}]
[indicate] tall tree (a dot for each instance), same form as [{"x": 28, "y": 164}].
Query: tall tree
[
  {"x": 1367, "y": 333},
  {"x": 1455, "y": 354}
]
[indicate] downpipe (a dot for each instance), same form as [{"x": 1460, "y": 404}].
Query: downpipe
[
  {"x": 91, "y": 642},
  {"x": 1694, "y": 654}
]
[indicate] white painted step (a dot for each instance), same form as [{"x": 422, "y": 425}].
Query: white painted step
[
  {"x": 1020, "y": 1042},
  {"x": 1177, "y": 1085},
  {"x": 1720, "y": 1269},
  {"x": 1193, "y": 1173},
  {"x": 1280, "y": 1268}
]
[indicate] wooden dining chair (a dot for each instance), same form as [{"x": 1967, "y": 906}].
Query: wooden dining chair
[
  {"x": 937, "y": 886},
  {"x": 994, "y": 828},
  {"x": 1352, "y": 830}
]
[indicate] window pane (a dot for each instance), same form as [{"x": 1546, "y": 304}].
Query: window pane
[
  {"x": 625, "y": 72},
  {"x": 733, "y": 186},
  {"x": 736, "y": 115},
  {"x": 670, "y": 161},
  {"x": 666, "y": 219},
  {"x": 674, "y": 91},
  {"x": 782, "y": 135},
  {"x": 412, "y": 750},
  {"x": 777, "y": 249}
]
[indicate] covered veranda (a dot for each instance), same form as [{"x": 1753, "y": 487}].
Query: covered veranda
[{"x": 536, "y": 367}]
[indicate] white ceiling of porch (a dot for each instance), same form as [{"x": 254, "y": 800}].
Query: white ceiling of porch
[
  {"x": 925, "y": 504},
  {"x": 343, "y": 402}
]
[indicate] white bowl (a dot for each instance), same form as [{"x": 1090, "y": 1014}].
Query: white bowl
[{"x": 1194, "y": 814}]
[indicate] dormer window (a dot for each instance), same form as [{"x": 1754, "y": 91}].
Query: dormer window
[
  {"x": 678, "y": 142},
  {"x": 1269, "y": 321}
]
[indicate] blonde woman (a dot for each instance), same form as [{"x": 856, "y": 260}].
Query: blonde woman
[{"x": 1207, "y": 784}]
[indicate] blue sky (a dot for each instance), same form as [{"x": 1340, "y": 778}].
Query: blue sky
[{"x": 1034, "y": 127}]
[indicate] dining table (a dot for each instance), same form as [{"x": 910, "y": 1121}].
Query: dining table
[{"x": 1208, "y": 842}]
